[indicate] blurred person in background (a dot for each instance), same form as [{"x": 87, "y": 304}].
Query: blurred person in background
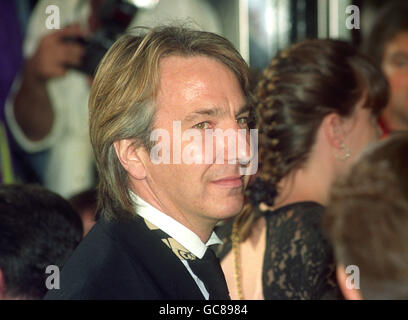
[
  {"x": 367, "y": 222},
  {"x": 47, "y": 108},
  {"x": 387, "y": 44},
  {"x": 38, "y": 228},
  {"x": 317, "y": 108}
]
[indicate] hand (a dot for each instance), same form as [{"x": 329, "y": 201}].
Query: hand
[{"x": 53, "y": 55}]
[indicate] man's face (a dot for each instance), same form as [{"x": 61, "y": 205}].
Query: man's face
[
  {"x": 201, "y": 93},
  {"x": 395, "y": 67}
]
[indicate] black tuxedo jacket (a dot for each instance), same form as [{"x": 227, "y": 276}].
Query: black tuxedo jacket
[{"x": 124, "y": 260}]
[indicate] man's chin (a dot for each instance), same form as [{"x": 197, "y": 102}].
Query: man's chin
[{"x": 228, "y": 210}]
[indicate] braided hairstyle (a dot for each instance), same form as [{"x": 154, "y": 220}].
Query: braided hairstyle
[{"x": 300, "y": 87}]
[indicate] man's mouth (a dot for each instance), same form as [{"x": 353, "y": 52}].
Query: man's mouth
[{"x": 229, "y": 182}]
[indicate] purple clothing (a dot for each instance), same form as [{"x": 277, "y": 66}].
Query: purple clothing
[{"x": 11, "y": 53}]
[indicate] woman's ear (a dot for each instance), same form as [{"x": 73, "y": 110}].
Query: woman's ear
[
  {"x": 129, "y": 156},
  {"x": 332, "y": 126},
  {"x": 336, "y": 129}
]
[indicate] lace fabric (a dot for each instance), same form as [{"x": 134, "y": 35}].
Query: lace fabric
[{"x": 298, "y": 259}]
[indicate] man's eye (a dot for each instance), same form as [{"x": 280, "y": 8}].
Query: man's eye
[
  {"x": 400, "y": 63},
  {"x": 202, "y": 125},
  {"x": 243, "y": 121}
]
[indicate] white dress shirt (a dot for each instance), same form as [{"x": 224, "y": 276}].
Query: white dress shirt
[{"x": 184, "y": 236}]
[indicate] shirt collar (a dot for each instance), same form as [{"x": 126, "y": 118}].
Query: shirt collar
[{"x": 187, "y": 238}]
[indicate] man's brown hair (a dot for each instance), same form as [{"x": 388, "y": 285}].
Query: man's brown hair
[{"x": 389, "y": 22}]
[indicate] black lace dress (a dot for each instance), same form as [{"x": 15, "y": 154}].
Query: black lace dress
[{"x": 298, "y": 260}]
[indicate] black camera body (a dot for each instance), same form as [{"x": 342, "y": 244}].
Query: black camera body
[{"x": 115, "y": 16}]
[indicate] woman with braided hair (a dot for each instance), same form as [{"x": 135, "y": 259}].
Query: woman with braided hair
[{"x": 317, "y": 108}]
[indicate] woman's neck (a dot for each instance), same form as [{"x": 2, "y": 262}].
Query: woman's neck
[{"x": 306, "y": 184}]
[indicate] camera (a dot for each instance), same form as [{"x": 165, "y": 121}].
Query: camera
[{"x": 115, "y": 16}]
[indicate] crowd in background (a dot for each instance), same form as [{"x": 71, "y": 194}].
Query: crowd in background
[{"x": 312, "y": 97}]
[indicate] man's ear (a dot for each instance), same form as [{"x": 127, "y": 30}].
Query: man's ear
[
  {"x": 349, "y": 294},
  {"x": 129, "y": 156},
  {"x": 333, "y": 127}
]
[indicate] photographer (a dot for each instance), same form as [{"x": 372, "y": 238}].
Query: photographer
[
  {"x": 47, "y": 107},
  {"x": 48, "y": 110}
]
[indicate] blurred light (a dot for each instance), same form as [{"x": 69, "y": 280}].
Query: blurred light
[
  {"x": 270, "y": 19},
  {"x": 144, "y": 3},
  {"x": 334, "y": 19},
  {"x": 244, "y": 29}
]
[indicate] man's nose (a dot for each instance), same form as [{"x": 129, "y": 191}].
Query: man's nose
[
  {"x": 243, "y": 147},
  {"x": 236, "y": 146}
]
